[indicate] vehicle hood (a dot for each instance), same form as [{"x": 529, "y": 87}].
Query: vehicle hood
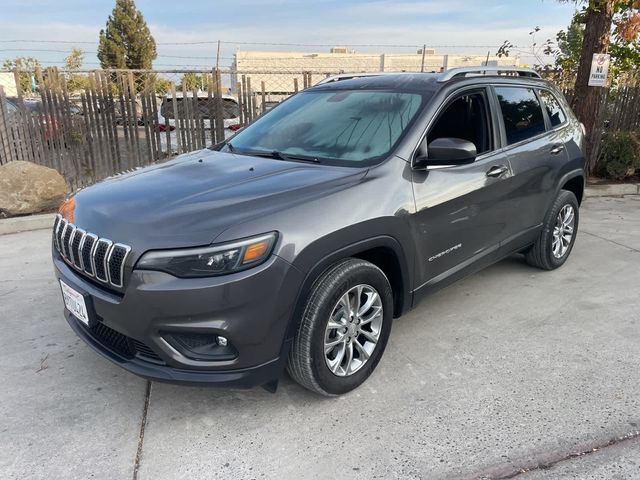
[{"x": 190, "y": 200}]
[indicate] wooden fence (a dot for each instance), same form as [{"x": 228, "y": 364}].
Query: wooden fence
[
  {"x": 94, "y": 124},
  {"x": 120, "y": 121},
  {"x": 622, "y": 109}
]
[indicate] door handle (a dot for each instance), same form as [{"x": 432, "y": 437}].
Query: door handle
[
  {"x": 557, "y": 149},
  {"x": 497, "y": 170}
]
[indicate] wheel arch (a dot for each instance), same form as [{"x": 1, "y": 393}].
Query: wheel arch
[
  {"x": 386, "y": 259},
  {"x": 384, "y": 251},
  {"x": 574, "y": 182}
]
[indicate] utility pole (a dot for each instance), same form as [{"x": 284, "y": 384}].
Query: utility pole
[
  {"x": 424, "y": 49},
  {"x": 218, "y": 56}
]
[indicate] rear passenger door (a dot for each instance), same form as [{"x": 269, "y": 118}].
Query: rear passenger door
[{"x": 536, "y": 153}]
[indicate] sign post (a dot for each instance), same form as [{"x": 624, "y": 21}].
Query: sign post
[{"x": 599, "y": 70}]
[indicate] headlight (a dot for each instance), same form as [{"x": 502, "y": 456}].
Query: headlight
[{"x": 211, "y": 261}]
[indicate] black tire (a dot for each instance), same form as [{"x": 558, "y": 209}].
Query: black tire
[
  {"x": 306, "y": 363},
  {"x": 541, "y": 254}
]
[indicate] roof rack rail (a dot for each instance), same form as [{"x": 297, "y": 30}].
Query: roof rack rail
[
  {"x": 486, "y": 70},
  {"x": 348, "y": 76}
]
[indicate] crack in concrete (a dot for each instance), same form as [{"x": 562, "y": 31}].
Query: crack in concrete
[
  {"x": 143, "y": 424},
  {"x": 611, "y": 241},
  {"x": 545, "y": 462}
]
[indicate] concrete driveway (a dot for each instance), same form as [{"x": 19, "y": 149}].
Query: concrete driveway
[{"x": 509, "y": 370}]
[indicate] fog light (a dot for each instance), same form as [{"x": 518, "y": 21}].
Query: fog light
[{"x": 201, "y": 346}]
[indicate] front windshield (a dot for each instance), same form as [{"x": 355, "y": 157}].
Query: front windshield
[{"x": 333, "y": 126}]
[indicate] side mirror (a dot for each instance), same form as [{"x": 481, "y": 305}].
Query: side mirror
[{"x": 444, "y": 152}]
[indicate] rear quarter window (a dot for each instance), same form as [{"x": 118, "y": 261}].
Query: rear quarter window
[
  {"x": 521, "y": 113},
  {"x": 553, "y": 107}
]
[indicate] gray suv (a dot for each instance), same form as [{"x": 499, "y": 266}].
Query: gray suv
[{"x": 296, "y": 242}]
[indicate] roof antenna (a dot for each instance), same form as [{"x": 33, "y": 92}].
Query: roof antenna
[{"x": 486, "y": 62}]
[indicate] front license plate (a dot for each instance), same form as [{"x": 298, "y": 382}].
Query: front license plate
[{"x": 74, "y": 301}]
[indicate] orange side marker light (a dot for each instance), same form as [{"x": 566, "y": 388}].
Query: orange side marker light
[{"x": 255, "y": 251}]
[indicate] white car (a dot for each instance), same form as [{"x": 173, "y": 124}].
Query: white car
[{"x": 166, "y": 120}]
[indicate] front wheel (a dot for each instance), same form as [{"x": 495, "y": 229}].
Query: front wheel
[
  {"x": 344, "y": 329},
  {"x": 555, "y": 242}
]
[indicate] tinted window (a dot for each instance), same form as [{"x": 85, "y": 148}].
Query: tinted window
[
  {"x": 230, "y": 108},
  {"x": 35, "y": 107},
  {"x": 337, "y": 126},
  {"x": 554, "y": 110},
  {"x": 521, "y": 112},
  {"x": 466, "y": 118}
]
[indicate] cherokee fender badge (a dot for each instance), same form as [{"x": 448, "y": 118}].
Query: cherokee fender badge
[{"x": 445, "y": 252}]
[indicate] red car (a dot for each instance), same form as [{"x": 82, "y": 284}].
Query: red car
[{"x": 48, "y": 123}]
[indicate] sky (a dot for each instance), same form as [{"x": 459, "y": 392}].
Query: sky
[{"x": 187, "y": 31}]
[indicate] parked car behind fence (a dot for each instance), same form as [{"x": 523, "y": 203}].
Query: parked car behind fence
[{"x": 189, "y": 112}]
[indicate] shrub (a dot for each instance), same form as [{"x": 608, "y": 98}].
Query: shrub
[{"x": 619, "y": 155}]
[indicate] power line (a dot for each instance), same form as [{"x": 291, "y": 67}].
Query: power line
[
  {"x": 37, "y": 50},
  {"x": 209, "y": 57},
  {"x": 203, "y": 67},
  {"x": 362, "y": 45},
  {"x": 274, "y": 44},
  {"x": 47, "y": 41}
]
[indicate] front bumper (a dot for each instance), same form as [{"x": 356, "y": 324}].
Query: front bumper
[{"x": 251, "y": 309}]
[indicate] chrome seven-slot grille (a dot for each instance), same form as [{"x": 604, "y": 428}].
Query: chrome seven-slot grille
[{"x": 96, "y": 257}]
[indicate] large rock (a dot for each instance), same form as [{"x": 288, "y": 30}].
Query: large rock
[{"x": 29, "y": 188}]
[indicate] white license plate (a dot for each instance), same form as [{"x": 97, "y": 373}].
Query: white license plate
[{"x": 74, "y": 301}]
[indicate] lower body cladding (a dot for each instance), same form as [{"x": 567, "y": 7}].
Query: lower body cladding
[{"x": 223, "y": 331}]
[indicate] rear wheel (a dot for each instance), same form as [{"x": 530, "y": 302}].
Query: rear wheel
[
  {"x": 344, "y": 329},
  {"x": 555, "y": 242}
]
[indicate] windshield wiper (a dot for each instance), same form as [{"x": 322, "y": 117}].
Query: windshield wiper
[
  {"x": 284, "y": 156},
  {"x": 220, "y": 145}
]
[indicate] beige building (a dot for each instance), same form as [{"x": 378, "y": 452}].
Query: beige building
[
  {"x": 278, "y": 69},
  {"x": 8, "y": 84}
]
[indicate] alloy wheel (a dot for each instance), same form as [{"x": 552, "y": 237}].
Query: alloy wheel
[
  {"x": 353, "y": 330},
  {"x": 563, "y": 231}
]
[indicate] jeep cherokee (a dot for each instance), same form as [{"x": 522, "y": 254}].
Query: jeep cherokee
[{"x": 296, "y": 242}]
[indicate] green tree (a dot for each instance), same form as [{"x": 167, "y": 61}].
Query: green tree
[
  {"x": 570, "y": 44},
  {"x": 72, "y": 63},
  {"x": 162, "y": 86},
  {"x": 21, "y": 63},
  {"x": 626, "y": 56},
  {"x": 126, "y": 42},
  {"x": 192, "y": 81},
  {"x": 74, "y": 59}
]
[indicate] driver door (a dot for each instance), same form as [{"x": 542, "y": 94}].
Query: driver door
[{"x": 462, "y": 212}]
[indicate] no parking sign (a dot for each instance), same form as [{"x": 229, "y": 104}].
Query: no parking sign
[{"x": 599, "y": 70}]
